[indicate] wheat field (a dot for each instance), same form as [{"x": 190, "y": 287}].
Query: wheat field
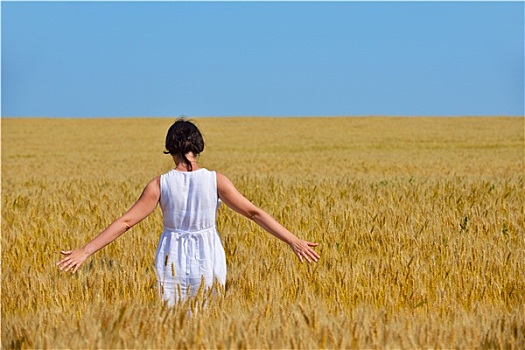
[{"x": 420, "y": 221}]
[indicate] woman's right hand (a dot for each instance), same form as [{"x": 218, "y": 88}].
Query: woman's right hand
[
  {"x": 304, "y": 250},
  {"x": 73, "y": 260}
]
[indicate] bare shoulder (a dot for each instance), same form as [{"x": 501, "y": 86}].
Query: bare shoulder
[
  {"x": 155, "y": 181},
  {"x": 221, "y": 179},
  {"x": 223, "y": 183},
  {"x": 154, "y": 184}
]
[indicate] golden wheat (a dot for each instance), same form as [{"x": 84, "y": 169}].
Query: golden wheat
[{"x": 420, "y": 221}]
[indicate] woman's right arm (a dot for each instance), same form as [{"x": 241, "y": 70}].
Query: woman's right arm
[
  {"x": 139, "y": 211},
  {"x": 236, "y": 201}
]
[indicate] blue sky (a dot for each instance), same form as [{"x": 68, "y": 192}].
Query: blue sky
[{"x": 108, "y": 59}]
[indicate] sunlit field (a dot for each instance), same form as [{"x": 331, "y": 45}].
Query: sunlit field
[{"x": 420, "y": 221}]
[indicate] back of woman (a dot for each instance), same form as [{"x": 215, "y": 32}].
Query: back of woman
[
  {"x": 189, "y": 199},
  {"x": 189, "y": 242}
]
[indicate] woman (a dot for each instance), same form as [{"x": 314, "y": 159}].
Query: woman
[{"x": 190, "y": 250}]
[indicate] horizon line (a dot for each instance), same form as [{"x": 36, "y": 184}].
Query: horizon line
[{"x": 272, "y": 116}]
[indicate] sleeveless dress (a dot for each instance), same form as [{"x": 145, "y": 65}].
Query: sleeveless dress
[{"x": 190, "y": 250}]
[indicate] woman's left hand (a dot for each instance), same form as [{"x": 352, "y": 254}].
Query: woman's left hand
[{"x": 73, "y": 260}]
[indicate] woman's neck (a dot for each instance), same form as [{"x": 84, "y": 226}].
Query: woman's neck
[{"x": 181, "y": 165}]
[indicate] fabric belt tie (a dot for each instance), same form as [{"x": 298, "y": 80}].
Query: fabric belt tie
[{"x": 187, "y": 235}]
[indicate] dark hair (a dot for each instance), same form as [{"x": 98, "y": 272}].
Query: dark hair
[{"x": 184, "y": 137}]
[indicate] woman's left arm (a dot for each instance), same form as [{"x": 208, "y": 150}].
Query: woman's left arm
[{"x": 138, "y": 212}]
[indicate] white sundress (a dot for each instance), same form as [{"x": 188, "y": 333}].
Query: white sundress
[{"x": 190, "y": 249}]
